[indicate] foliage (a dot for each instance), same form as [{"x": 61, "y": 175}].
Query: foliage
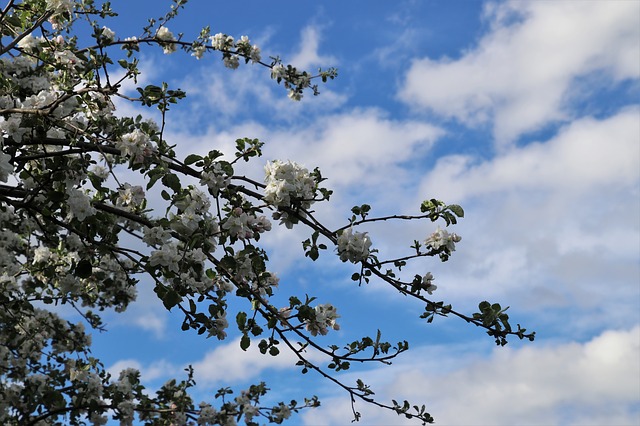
[{"x": 75, "y": 232}]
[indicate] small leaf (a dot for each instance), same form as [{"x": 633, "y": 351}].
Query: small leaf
[
  {"x": 457, "y": 210},
  {"x": 245, "y": 342},
  {"x": 192, "y": 159}
]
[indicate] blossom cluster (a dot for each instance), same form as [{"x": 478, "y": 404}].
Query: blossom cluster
[
  {"x": 353, "y": 246},
  {"x": 232, "y": 50},
  {"x": 135, "y": 145},
  {"x": 288, "y": 185},
  {"x": 245, "y": 225},
  {"x": 324, "y": 319},
  {"x": 441, "y": 238},
  {"x": 427, "y": 283}
]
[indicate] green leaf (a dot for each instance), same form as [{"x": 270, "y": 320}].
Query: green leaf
[
  {"x": 192, "y": 159},
  {"x": 457, "y": 210},
  {"x": 172, "y": 181},
  {"x": 245, "y": 342},
  {"x": 241, "y": 320},
  {"x": 171, "y": 299}
]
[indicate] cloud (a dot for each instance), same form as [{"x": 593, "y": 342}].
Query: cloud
[
  {"x": 308, "y": 56},
  {"x": 229, "y": 363},
  {"x": 549, "y": 226},
  {"x": 158, "y": 370},
  {"x": 591, "y": 383},
  {"x": 583, "y": 156},
  {"x": 519, "y": 76}
]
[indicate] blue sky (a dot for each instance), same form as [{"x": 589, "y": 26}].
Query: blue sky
[{"x": 525, "y": 113}]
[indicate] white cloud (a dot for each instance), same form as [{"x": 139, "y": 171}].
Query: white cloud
[
  {"x": 591, "y": 383},
  {"x": 520, "y": 74},
  {"x": 550, "y": 225},
  {"x": 308, "y": 56},
  {"x": 158, "y": 370},
  {"x": 228, "y": 363},
  {"x": 583, "y": 156}
]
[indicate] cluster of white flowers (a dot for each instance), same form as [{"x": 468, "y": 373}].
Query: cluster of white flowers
[
  {"x": 156, "y": 235},
  {"x": 253, "y": 51},
  {"x": 108, "y": 34},
  {"x": 198, "y": 51},
  {"x": 295, "y": 82},
  {"x": 246, "y": 406},
  {"x": 288, "y": 183},
  {"x": 243, "y": 225},
  {"x": 280, "y": 413},
  {"x": 130, "y": 196},
  {"x": 442, "y": 238},
  {"x": 167, "y": 38},
  {"x": 215, "y": 179},
  {"x": 207, "y": 415},
  {"x": 167, "y": 256},
  {"x": 79, "y": 204},
  {"x": 135, "y": 145},
  {"x": 59, "y": 8},
  {"x": 226, "y": 44},
  {"x": 427, "y": 283},
  {"x": 325, "y": 318},
  {"x": 353, "y": 246},
  {"x": 222, "y": 41},
  {"x": 6, "y": 168}
]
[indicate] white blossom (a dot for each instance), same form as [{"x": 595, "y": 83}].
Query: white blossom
[
  {"x": 353, "y": 246},
  {"x": 288, "y": 182},
  {"x": 325, "y": 318},
  {"x": 80, "y": 205},
  {"x": 135, "y": 145},
  {"x": 427, "y": 283},
  {"x": 442, "y": 238},
  {"x": 6, "y": 168},
  {"x": 164, "y": 35},
  {"x": 108, "y": 34},
  {"x": 41, "y": 255},
  {"x": 231, "y": 61},
  {"x": 167, "y": 256},
  {"x": 215, "y": 179},
  {"x": 221, "y": 41}
]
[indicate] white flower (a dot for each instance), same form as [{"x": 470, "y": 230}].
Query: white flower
[
  {"x": 325, "y": 318},
  {"x": 167, "y": 37},
  {"x": 255, "y": 54},
  {"x": 294, "y": 95},
  {"x": 6, "y": 168},
  {"x": 442, "y": 238},
  {"x": 80, "y": 205},
  {"x": 198, "y": 51},
  {"x": 130, "y": 196},
  {"x": 221, "y": 41},
  {"x": 100, "y": 171},
  {"x": 353, "y": 247},
  {"x": 231, "y": 61},
  {"x": 167, "y": 256},
  {"x": 136, "y": 145},
  {"x": 28, "y": 42},
  {"x": 108, "y": 34},
  {"x": 278, "y": 71},
  {"x": 288, "y": 182},
  {"x": 207, "y": 414},
  {"x": 60, "y": 6},
  {"x": 41, "y": 254},
  {"x": 427, "y": 283},
  {"x": 156, "y": 235},
  {"x": 215, "y": 179}
]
